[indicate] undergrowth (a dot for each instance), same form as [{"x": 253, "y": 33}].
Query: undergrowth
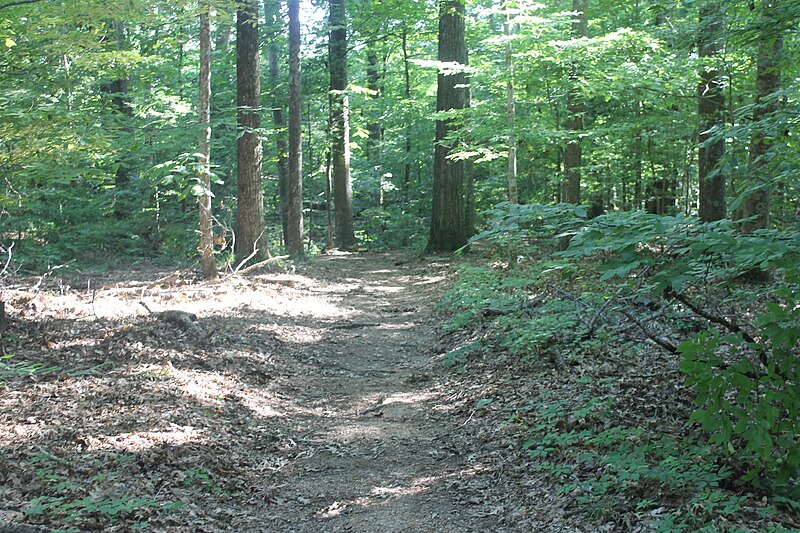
[{"x": 670, "y": 379}]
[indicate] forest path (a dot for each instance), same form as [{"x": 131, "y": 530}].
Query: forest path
[
  {"x": 307, "y": 401},
  {"x": 377, "y": 448}
]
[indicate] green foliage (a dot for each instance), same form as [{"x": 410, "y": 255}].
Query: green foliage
[
  {"x": 569, "y": 440},
  {"x": 73, "y": 501},
  {"x": 198, "y": 476},
  {"x": 12, "y": 369},
  {"x": 746, "y": 387},
  {"x": 690, "y": 285},
  {"x": 392, "y": 229}
]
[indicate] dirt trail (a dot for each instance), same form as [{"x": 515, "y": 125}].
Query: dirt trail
[
  {"x": 377, "y": 440},
  {"x": 306, "y": 401}
]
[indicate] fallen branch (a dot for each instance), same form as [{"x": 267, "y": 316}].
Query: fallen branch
[
  {"x": 263, "y": 263},
  {"x": 671, "y": 348},
  {"x": 244, "y": 261},
  {"x": 722, "y": 321},
  {"x": 8, "y": 260},
  {"x": 355, "y": 325},
  {"x": 166, "y": 280},
  {"x": 49, "y": 271},
  {"x": 18, "y": 3}
]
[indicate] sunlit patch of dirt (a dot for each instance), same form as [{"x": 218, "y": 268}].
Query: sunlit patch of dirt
[{"x": 307, "y": 400}]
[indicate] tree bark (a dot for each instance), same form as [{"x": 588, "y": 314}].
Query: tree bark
[
  {"x": 250, "y": 209},
  {"x": 206, "y": 248},
  {"x": 340, "y": 125},
  {"x": 711, "y": 113},
  {"x": 407, "y": 96},
  {"x": 573, "y": 153},
  {"x": 637, "y": 151},
  {"x": 511, "y": 110},
  {"x": 273, "y": 21},
  {"x": 768, "y": 82},
  {"x": 447, "y": 214},
  {"x": 294, "y": 184},
  {"x": 117, "y": 89},
  {"x": 374, "y": 128}
]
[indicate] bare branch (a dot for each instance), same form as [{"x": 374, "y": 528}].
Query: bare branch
[{"x": 18, "y": 3}]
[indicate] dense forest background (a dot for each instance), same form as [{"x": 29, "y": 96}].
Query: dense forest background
[
  {"x": 100, "y": 116},
  {"x": 625, "y": 174}
]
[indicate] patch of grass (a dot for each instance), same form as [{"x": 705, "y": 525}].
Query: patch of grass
[{"x": 10, "y": 368}]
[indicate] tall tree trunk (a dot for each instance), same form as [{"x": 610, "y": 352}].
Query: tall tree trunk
[
  {"x": 117, "y": 89},
  {"x": 340, "y": 125},
  {"x": 469, "y": 169},
  {"x": 294, "y": 182},
  {"x": 447, "y": 214},
  {"x": 637, "y": 151},
  {"x": 511, "y": 110},
  {"x": 407, "y": 96},
  {"x": 374, "y": 128},
  {"x": 573, "y": 153},
  {"x": 711, "y": 113},
  {"x": 206, "y": 248},
  {"x": 272, "y": 15},
  {"x": 250, "y": 205},
  {"x": 328, "y": 200},
  {"x": 768, "y": 82}
]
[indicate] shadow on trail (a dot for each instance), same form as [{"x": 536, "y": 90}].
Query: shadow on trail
[{"x": 305, "y": 407}]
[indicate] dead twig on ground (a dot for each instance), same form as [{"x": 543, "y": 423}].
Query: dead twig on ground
[
  {"x": 36, "y": 287},
  {"x": 264, "y": 263}
]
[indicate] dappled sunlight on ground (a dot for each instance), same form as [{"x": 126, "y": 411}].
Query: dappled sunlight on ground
[
  {"x": 293, "y": 399},
  {"x": 136, "y": 442},
  {"x": 384, "y": 494},
  {"x": 410, "y": 397}
]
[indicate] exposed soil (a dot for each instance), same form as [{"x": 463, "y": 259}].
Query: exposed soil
[{"x": 313, "y": 400}]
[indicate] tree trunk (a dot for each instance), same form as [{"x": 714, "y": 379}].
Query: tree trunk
[
  {"x": 768, "y": 82},
  {"x": 447, "y": 214},
  {"x": 711, "y": 113},
  {"x": 250, "y": 209},
  {"x": 374, "y": 128},
  {"x": 206, "y": 248},
  {"x": 407, "y": 96},
  {"x": 637, "y": 151},
  {"x": 272, "y": 16},
  {"x": 120, "y": 104},
  {"x": 294, "y": 184},
  {"x": 511, "y": 111},
  {"x": 340, "y": 125},
  {"x": 470, "y": 202},
  {"x": 573, "y": 153}
]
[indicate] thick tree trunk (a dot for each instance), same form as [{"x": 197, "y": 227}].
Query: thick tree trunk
[
  {"x": 294, "y": 182},
  {"x": 573, "y": 153},
  {"x": 250, "y": 208},
  {"x": 511, "y": 109},
  {"x": 711, "y": 114},
  {"x": 768, "y": 82},
  {"x": 340, "y": 125},
  {"x": 447, "y": 214},
  {"x": 206, "y": 248},
  {"x": 272, "y": 9}
]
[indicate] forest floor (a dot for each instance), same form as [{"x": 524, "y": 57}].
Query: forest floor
[{"x": 312, "y": 400}]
